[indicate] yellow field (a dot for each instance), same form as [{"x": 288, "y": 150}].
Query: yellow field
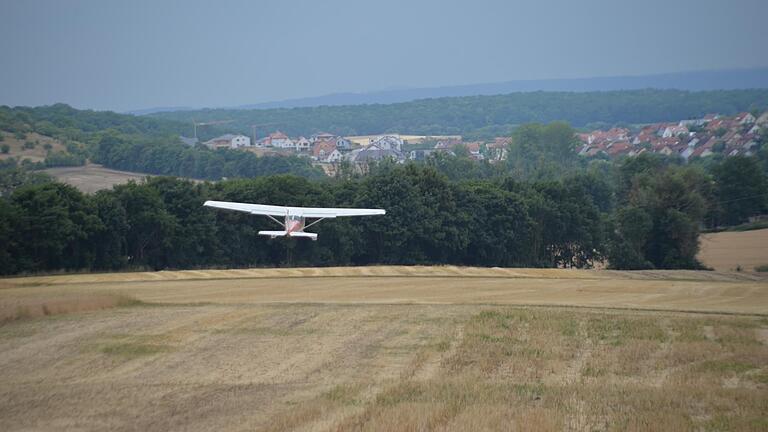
[
  {"x": 385, "y": 348},
  {"x": 726, "y": 251}
]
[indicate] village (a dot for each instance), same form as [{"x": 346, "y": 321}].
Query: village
[
  {"x": 328, "y": 150},
  {"x": 703, "y": 137}
]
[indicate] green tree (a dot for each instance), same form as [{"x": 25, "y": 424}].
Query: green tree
[
  {"x": 671, "y": 199},
  {"x": 742, "y": 189},
  {"x": 56, "y": 222},
  {"x": 543, "y": 151},
  {"x": 150, "y": 226}
]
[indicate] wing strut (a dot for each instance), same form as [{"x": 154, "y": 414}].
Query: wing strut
[
  {"x": 280, "y": 223},
  {"x": 307, "y": 226}
]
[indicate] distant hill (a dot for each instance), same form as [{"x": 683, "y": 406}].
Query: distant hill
[
  {"x": 482, "y": 116},
  {"x": 146, "y": 111},
  {"x": 694, "y": 81}
]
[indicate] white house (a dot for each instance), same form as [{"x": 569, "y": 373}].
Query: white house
[
  {"x": 229, "y": 141},
  {"x": 302, "y": 144},
  {"x": 343, "y": 144},
  {"x": 674, "y": 131},
  {"x": 280, "y": 140},
  {"x": 326, "y": 151},
  {"x": 323, "y": 136},
  {"x": 387, "y": 142}
]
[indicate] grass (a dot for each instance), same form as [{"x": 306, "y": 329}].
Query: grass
[{"x": 131, "y": 346}]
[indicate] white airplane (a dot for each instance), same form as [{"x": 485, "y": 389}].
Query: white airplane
[{"x": 295, "y": 217}]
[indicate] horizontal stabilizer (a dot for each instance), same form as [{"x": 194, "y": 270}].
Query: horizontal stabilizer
[
  {"x": 313, "y": 236},
  {"x": 274, "y": 234}
]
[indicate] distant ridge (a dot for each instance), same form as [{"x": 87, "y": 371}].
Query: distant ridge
[
  {"x": 725, "y": 79},
  {"x": 154, "y": 110}
]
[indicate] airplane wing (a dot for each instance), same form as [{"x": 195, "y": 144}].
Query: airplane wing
[
  {"x": 261, "y": 209},
  {"x": 258, "y": 209},
  {"x": 333, "y": 212}
]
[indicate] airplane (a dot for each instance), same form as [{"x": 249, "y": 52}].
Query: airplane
[{"x": 295, "y": 217}]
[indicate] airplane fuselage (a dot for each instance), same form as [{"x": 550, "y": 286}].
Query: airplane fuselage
[{"x": 294, "y": 224}]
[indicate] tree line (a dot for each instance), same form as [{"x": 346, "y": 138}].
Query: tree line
[{"x": 643, "y": 213}]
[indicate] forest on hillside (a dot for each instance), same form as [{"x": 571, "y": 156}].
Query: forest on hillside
[
  {"x": 142, "y": 144},
  {"x": 484, "y": 116}
]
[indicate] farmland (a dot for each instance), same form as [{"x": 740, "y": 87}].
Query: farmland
[
  {"x": 385, "y": 348},
  {"x": 91, "y": 178},
  {"x": 727, "y": 251}
]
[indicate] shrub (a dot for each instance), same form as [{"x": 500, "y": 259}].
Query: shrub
[{"x": 5, "y": 149}]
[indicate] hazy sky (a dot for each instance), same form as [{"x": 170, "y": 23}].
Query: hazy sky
[{"x": 134, "y": 54}]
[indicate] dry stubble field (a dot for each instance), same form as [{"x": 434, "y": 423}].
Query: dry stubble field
[{"x": 385, "y": 348}]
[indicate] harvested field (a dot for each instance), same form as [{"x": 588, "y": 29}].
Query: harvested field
[
  {"x": 727, "y": 251},
  {"x": 668, "y": 290},
  {"x": 390, "y": 348},
  {"x": 91, "y": 178}
]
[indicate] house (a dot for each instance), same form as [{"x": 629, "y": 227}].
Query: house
[
  {"x": 387, "y": 142},
  {"x": 474, "y": 150},
  {"x": 618, "y": 148},
  {"x": 302, "y": 144},
  {"x": 326, "y": 151},
  {"x": 228, "y": 141},
  {"x": 280, "y": 140},
  {"x": 497, "y": 150},
  {"x": 374, "y": 153},
  {"x": 687, "y": 152},
  {"x": 745, "y": 118},
  {"x": 343, "y": 144},
  {"x": 323, "y": 136},
  {"x": 702, "y": 152},
  {"x": 672, "y": 131}
]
